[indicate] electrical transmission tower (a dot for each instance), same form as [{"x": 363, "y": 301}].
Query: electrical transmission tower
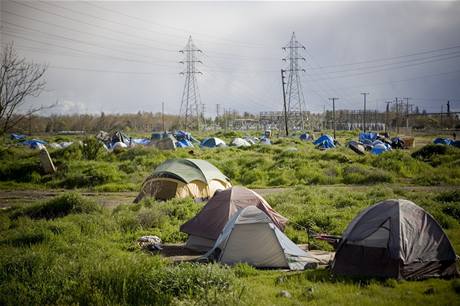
[
  {"x": 295, "y": 98},
  {"x": 190, "y": 104}
]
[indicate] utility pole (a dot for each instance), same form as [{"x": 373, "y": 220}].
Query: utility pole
[
  {"x": 387, "y": 114},
  {"x": 191, "y": 100},
  {"x": 407, "y": 114},
  {"x": 448, "y": 108},
  {"x": 364, "y": 115},
  {"x": 284, "y": 99},
  {"x": 442, "y": 110},
  {"x": 397, "y": 115},
  {"x": 295, "y": 98},
  {"x": 163, "y": 115},
  {"x": 202, "y": 115},
  {"x": 333, "y": 112}
]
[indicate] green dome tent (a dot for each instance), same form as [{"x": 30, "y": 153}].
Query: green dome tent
[{"x": 182, "y": 178}]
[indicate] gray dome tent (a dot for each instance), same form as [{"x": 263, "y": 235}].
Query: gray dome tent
[
  {"x": 397, "y": 239},
  {"x": 251, "y": 237}
]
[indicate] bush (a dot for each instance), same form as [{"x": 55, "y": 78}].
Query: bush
[
  {"x": 91, "y": 148},
  {"x": 88, "y": 174},
  {"x": 20, "y": 170}
]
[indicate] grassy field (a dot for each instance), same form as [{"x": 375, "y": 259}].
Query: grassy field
[
  {"x": 70, "y": 250},
  {"x": 259, "y": 166}
]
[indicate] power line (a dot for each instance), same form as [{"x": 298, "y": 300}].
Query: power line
[
  {"x": 245, "y": 44},
  {"x": 389, "y": 58}
]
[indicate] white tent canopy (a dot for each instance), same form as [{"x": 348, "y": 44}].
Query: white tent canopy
[{"x": 251, "y": 237}]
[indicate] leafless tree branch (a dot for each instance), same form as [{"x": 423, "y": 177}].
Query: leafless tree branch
[{"x": 19, "y": 79}]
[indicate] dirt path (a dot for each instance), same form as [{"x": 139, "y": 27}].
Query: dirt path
[{"x": 113, "y": 199}]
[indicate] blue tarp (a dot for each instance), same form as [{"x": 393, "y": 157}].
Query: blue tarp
[
  {"x": 17, "y": 136},
  {"x": 305, "y": 136},
  {"x": 324, "y": 142},
  {"x": 444, "y": 141},
  {"x": 367, "y": 137},
  {"x": 184, "y": 143},
  {"x": 141, "y": 141},
  {"x": 34, "y": 143},
  {"x": 181, "y": 135}
]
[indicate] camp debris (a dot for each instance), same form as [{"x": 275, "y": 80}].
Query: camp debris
[
  {"x": 395, "y": 239},
  {"x": 185, "y": 137},
  {"x": 150, "y": 243},
  {"x": 14, "y": 136},
  {"x": 212, "y": 142},
  {"x": 119, "y": 146},
  {"x": 140, "y": 141},
  {"x": 239, "y": 142},
  {"x": 357, "y": 147},
  {"x": 251, "y": 140},
  {"x": 205, "y": 227},
  {"x": 265, "y": 141},
  {"x": 447, "y": 141},
  {"x": 182, "y": 178},
  {"x": 34, "y": 144},
  {"x": 46, "y": 161},
  {"x": 305, "y": 137},
  {"x": 251, "y": 237},
  {"x": 324, "y": 142}
]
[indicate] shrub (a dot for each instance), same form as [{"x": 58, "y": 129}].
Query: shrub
[
  {"x": 91, "y": 148},
  {"x": 19, "y": 170},
  {"x": 88, "y": 174}
]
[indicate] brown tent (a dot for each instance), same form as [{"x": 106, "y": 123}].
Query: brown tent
[
  {"x": 205, "y": 227},
  {"x": 397, "y": 239}
]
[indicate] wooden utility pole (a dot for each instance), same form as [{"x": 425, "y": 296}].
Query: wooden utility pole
[
  {"x": 397, "y": 116},
  {"x": 163, "y": 115},
  {"x": 387, "y": 112},
  {"x": 407, "y": 114},
  {"x": 284, "y": 100},
  {"x": 333, "y": 113},
  {"x": 364, "y": 114}
]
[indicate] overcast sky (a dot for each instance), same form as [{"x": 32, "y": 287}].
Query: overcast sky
[{"x": 121, "y": 57}]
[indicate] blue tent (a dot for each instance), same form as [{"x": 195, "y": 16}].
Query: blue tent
[
  {"x": 444, "y": 141},
  {"x": 324, "y": 142},
  {"x": 17, "y": 137},
  {"x": 34, "y": 143},
  {"x": 379, "y": 147},
  {"x": 367, "y": 137},
  {"x": 212, "y": 142},
  {"x": 305, "y": 137}
]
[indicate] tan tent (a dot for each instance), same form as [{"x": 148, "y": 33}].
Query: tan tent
[
  {"x": 206, "y": 226},
  {"x": 183, "y": 178}
]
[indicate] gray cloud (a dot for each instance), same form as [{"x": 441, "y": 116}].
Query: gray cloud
[{"x": 87, "y": 44}]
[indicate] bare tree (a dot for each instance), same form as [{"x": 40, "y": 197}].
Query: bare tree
[{"x": 18, "y": 79}]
